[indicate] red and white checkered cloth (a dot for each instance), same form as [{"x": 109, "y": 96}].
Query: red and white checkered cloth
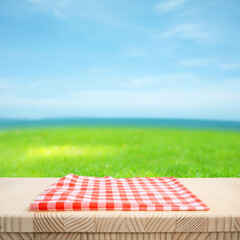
[{"x": 125, "y": 194}]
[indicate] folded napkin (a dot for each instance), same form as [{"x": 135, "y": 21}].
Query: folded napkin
[{"x": 125, "y": 194}]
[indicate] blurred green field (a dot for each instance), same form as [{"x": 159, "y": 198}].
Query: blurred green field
[{"x": 119, "y": 152}]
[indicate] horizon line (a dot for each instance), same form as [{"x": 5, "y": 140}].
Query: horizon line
[{"x": 113, "y": 118}]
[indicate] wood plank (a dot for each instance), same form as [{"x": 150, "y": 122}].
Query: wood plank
[
  {"x": 16, "y": 236},
  {"x": 103, "y": 236},
  {"x": 196, "y": 223},
  {"x": 48, "y": 222},
  {"x": 15, "y": 196},
  {"x": 79, "y": 222},
  {"x": 205, "y": 236},
  {"x": 159, "y": 223},
  {"x": 120, "y": 236},
  {"x": 135, "y": 222},
  {"x": 109, "y": 221},
  {"x": 57, "y": 236},
  {"x": 221, "y": 195}
]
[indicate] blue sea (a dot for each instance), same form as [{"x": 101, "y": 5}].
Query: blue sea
[{"x": 118, "y": 122}]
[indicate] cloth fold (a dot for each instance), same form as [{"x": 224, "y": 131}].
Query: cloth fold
[{"x": 74, "y": 192}]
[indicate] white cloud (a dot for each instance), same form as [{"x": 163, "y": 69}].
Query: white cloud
[
  {"x": 176, "y": 77},
  {"x": 59, "y": 8},
  {"x": 160, "y": 98},
  {"x": 186, "y": 31},
  {"x": 45, "y": 5},
  {"x": 198, "y": 62},
  {"x": 135, "y": 51},
  {"x": 139, "y": 83},
  {"x": 164, "y": 81},
  {"x": 170, "y": 5},
  {"x": 233, "y": 83},
  {"x": 210, "y": 100},
  {"x": 105, "y": 12},
  {"x": 10, "y": 84},
  {"x": 6, "y": 84},
  {"x": 230, "y": 66}
]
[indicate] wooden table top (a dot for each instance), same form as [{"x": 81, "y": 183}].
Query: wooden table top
[{"x": 222, "y": 195}]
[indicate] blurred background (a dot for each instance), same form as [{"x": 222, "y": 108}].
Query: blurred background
[{"x": 120, "y": 88}]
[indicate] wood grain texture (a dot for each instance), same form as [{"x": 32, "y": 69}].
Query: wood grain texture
[
  {"x": 57, "y": 236},
  {"x": 79, "y": 222},
  {"x": 205, "y": 236},
  {"x": 191, "y": 224},
  {"x": 109, "y": 222},
  {"x": 136, "y": 222},
  {"x": 221, "y": 195},
  {"x": 158, "y": 223},
  {"x": 45, "y": 222},
  {"x": 17, "y": 236},
  {"x": 103, "y": 236},
  {"x": 14, "y": 223},
  {"x": 120, "y": 236}
]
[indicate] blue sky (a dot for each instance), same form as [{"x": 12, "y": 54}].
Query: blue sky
[{"x": 126, "y": 58}]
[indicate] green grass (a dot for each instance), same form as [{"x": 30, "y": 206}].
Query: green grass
[{"x": 119, "y": 152}]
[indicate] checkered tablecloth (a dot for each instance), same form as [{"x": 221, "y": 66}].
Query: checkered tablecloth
[{"x": 125, "y": 194}]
